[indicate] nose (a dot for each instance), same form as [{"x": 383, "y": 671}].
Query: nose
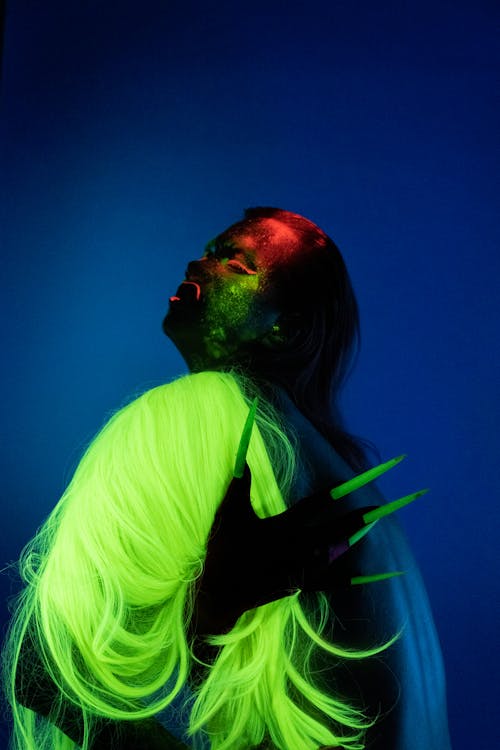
[{"x": 195, "y": 268}]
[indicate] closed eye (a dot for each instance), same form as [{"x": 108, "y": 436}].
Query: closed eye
[{"x": 239, "y": 267}]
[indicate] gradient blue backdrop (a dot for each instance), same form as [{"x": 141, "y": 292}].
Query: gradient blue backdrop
[{"x": 132, "y": 135}]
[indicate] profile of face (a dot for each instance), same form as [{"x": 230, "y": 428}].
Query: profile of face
[{"x": 231, "y": 296}]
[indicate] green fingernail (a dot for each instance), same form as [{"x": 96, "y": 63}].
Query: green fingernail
[
  {"x": 241, "y": 455},
  {"x": 386, "y": 510},
  {"x": 360, "y": 534},
  {"x": 362, "y": 479},
  {"x": 357, "y": 580}
]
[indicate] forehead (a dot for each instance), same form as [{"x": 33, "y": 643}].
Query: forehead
[{"x": 269, "y": 240}]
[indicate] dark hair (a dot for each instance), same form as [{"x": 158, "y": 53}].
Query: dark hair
[{"x": 321, "y": 330}]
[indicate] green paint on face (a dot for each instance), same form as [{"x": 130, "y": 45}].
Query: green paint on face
[
  {"x": 236, "y": 309},
  {"x": 238, "y": 298},
  {"x": 230, "y": 303}
]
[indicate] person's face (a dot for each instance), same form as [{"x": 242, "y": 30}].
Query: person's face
[{"x": 229, "y": 296}]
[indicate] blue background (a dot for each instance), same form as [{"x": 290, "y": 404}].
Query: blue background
[{"x": 131, "y": 136}]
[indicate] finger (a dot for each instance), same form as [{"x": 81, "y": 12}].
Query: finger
[
  {"x": 358, "y": 580},
  {"x": 330, "y": 576},
  {"x": 241, "y": 454},
  {"x": 341, "y": 547},
  {"x": 386, "y": 510},
  {"x": 368, "y": 476},
  {"x": 309, "y": 509},
  {"x": 328, "y": 529},
  {"x": 330, "y": 541},
  {"x": 358, "y": 535},
  {"x": 236, "y": 507},
  {"x": 337, "y": 550}
]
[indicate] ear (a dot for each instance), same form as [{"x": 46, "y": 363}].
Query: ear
[
  {"x": 283, "y": 330},
  {"x": 274, "y": 338}
]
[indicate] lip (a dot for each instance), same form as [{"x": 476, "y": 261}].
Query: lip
[{"x": 189, "y": 290}]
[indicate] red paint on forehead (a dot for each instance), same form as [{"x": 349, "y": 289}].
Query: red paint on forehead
[{"x": 272, "y": 241}]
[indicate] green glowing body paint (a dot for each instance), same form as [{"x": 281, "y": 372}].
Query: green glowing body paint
[{"x": 229, "y": 315}]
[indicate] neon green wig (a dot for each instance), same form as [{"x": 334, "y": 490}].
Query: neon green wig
[{"x": 110, "y": 580}]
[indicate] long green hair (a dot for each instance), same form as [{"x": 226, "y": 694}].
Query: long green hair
[{"x": 110, "y": 579}]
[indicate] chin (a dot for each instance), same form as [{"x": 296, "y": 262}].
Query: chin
[{"x": 178, "y": 322}]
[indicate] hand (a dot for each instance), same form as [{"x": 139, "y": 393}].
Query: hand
[{"x": 251, "y": 561}]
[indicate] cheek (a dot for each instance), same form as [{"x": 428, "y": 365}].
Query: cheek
[
  {"x": 232, "y": 301},
  {"x": 239, "y": 309}
]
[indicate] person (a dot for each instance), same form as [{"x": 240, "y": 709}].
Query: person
[
  {"x": 271, "y": 297},
  {"x": 174, "y": 601}
]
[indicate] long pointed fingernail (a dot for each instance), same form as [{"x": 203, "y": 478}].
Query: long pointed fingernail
[
  {"x": 241, "y": 455},
  {"x": 386, "y": 510},
  {"x": 357, "y": 580},
  {"x": 360, "y": 533},
  {"x": 362, "y": 479}
]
